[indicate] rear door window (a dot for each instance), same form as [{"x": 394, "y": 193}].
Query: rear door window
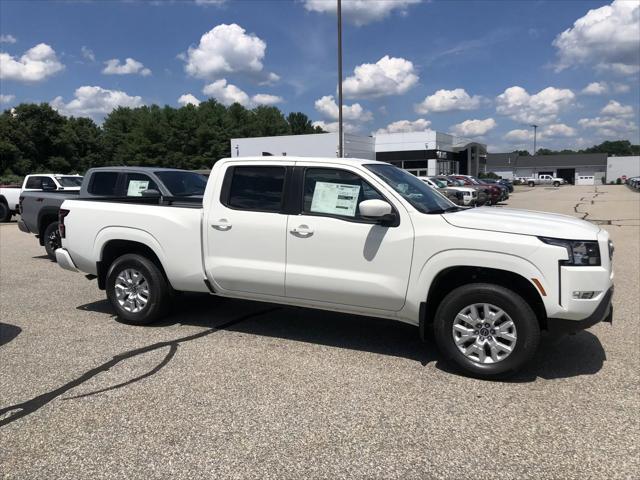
[
  {"x": 104, "y": 184},
  {"x": 136, "y": 183},
  {"x": 256, "y": 188},
  {"x": 34, "y": 182}
]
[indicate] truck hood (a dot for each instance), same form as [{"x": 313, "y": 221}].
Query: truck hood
[{"x": 523, "y": 222}]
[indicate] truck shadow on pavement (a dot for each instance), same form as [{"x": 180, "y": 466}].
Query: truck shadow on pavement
[
  {"x": 581, "y": 354},
  {"x": 8, "y": 332},
  {"x": 557, "y": 357}
]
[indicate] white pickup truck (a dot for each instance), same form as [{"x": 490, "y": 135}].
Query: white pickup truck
[
  {"x": 544, "y": 180},
  {"x": 49, "y": 182},
  {"x": 355, "y": 236}
]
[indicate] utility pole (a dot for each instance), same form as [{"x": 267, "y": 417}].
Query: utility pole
[
  {"x": 340, "y": 139},
  {"x": 535, "y": 136}
]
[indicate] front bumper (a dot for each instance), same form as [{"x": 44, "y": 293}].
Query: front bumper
[
  {"x": 602, "y": 313},
  {"x": 64, "y": 260},
  {"x": 23, "y": 226}
]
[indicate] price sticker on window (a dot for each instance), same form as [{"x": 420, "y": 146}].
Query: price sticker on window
[
  {"x": 335, "y": 199},
  {"x": 136, "y": 187}
]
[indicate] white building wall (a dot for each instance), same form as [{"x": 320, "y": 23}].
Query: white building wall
[
  {"x": 617, "y": 167},
  {"x": 397, "y": 142},
  {"x": 312, "y": 145}
]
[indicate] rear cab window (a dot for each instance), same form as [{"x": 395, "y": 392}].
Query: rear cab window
[
  {"x": 254, "y": 188},
  {"x": 104, "y": 184},
  {"x": 34, "y": 182}
]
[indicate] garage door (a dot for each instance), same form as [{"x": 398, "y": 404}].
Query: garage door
[{"x": 585, "y": 180}]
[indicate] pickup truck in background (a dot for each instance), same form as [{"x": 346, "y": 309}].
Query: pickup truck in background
[
  {"x": 49, "y": 182},
  {"x": 39, "y": 210},
  {"x": 355, "y": 236},
  {"x": 544, "y": 180}
]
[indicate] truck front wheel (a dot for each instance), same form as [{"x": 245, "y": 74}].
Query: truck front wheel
[
  {"x": 487, "y": 330},
  {"x": 556, "y": 184},
  {"x": 532, "y": 184},
  {"x": 137, "y": 290}
]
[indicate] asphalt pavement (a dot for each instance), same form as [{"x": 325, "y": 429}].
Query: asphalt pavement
[{"x": 234, "y": 389}]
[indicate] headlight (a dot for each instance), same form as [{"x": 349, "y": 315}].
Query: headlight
[{"x": 581, "y": 253}]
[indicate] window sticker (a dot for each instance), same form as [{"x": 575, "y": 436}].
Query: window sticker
[
  {"x": 136, "y": 187},
  {"x": 335, "y": 198}
]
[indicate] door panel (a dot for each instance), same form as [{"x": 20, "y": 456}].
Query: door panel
[
  {"x": 345, "y": 260},
  {"x": 246, "y": 247}
]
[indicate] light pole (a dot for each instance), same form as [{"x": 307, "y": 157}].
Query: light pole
[
  {"x": 340, "y": 143},
  {"x": 535, "y": 135}
]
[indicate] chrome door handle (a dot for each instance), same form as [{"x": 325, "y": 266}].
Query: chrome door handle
[
  {"x": 302, "y": 231},
  {"x": 223, "y": 225}
]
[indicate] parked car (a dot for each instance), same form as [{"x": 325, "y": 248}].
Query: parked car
[
  {"x": 455, "y": 196},
  {"x": 481, "y": 195},
  {"x": 507, "y": 183},
  {"x": 469, "y": 196},
  {"x": 355, "y": 236},
  {"x": 493, "y": 192},
  {"x": 545, "y": 180},
  {"x": 634, "y": 182},
  {"x": 39, "y": 210},
  {"x": 50, "y": 182},
  {"x": 504, "y": 189}
]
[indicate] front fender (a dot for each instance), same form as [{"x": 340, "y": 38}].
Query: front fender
[{"x": 474, "y": 258}]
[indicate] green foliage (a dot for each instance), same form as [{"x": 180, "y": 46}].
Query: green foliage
[
  {"x": 618, "y": 181},
  {"x": 36, "y": 138},
  {"x": 616, "y": 148},
  {"x": 489, "y": 175},
  {"x": 522, "y": 153}
]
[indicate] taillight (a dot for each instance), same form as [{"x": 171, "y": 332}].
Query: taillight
[
  {"x": 61, "y": 228},
  {"x": 20, "y": 204}
]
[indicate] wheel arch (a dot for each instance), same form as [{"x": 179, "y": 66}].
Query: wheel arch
[
  {"x": 46, "y": 216},
  {"x": 114, "y": 248}
]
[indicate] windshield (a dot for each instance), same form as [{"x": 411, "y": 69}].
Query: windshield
[
  {"x": 183, "y": 184},
  {"x": 439, "y": 183},
  {"x": 412, "y": 189},
  {"x": 69, "y": 181}
]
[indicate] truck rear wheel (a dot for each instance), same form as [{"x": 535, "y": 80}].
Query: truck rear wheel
[
  {"x": 487, "y": 330},
  {"x": 137, "y": 289},
  {"x": 51, "y": 240},
  {"x": 5, "y": 213}
]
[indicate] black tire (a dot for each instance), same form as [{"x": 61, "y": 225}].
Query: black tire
[
  {"x": 158, "y": 291},
  {"x": 525, "y": 320},
  {"x": 532, "y": 184},
  {"x": 556, "y": 184},
  {"x": 5, "y": 213},
  {"x": 51, "y": 238}
]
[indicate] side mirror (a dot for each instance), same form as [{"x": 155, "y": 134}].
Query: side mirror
[
  {"x": 378, "y": 210},
  {"x": 151, "y": 193}
]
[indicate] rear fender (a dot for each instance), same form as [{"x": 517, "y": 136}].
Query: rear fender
[{"x": 108, "y": 234}]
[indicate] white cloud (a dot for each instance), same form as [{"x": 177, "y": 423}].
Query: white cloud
[
  {"x": 333, "y": 126},
  {"x": 518, "y": 135},
  {"x": 360, "y": 12},
  {"x": 6, "y": 98},
  {"x": 557, "y": 130},
  {"x": 95, "y": 102},
  {"x": 8, "y": 39},
  {"x": 388, "y": 76},
  {"x": 543, "y": 107},
  {"x": 227, "y": 49},
  {"x": 226, "y": 93},
  {"x": 88, "y": 54},
  {"x": 188, "y": 99},
  {"x": 329, "y": 108},
  {"x": 35, "y": 65},
  {"x": 610, "y": 127},
  {"x": 616, "y": 109},
  {"x": 474, "y": 128},
  {"x": 596, "y": 88},
  {"x": 129, "y": 67},
  {"x": 448, "y": 100},
  {"x": 405, "y": 126},
  {"x": 606, "y": 37},
  {"x": 266, "y": 99},
  {"x": 621, "y": 88}
]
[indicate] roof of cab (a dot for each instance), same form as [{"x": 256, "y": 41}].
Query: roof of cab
[
  {"x": 144, "y": 169},
  {"x": 285, "y": 158}
]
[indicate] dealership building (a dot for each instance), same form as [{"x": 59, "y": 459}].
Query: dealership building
[
  {"x": 421, "y": 153},
  {"x": 577, "y": 169}
]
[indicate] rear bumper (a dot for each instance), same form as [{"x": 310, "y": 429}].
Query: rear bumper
[
  {"x": 64, "y": 260},
  {"x": 602, "y": 313},
  {"x": 23, "y": 226}
]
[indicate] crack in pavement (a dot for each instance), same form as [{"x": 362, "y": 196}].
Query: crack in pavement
[{"x": 20, "y": 410}]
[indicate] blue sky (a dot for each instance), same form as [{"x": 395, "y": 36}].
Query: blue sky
[{"x": 483, "y": 70}]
